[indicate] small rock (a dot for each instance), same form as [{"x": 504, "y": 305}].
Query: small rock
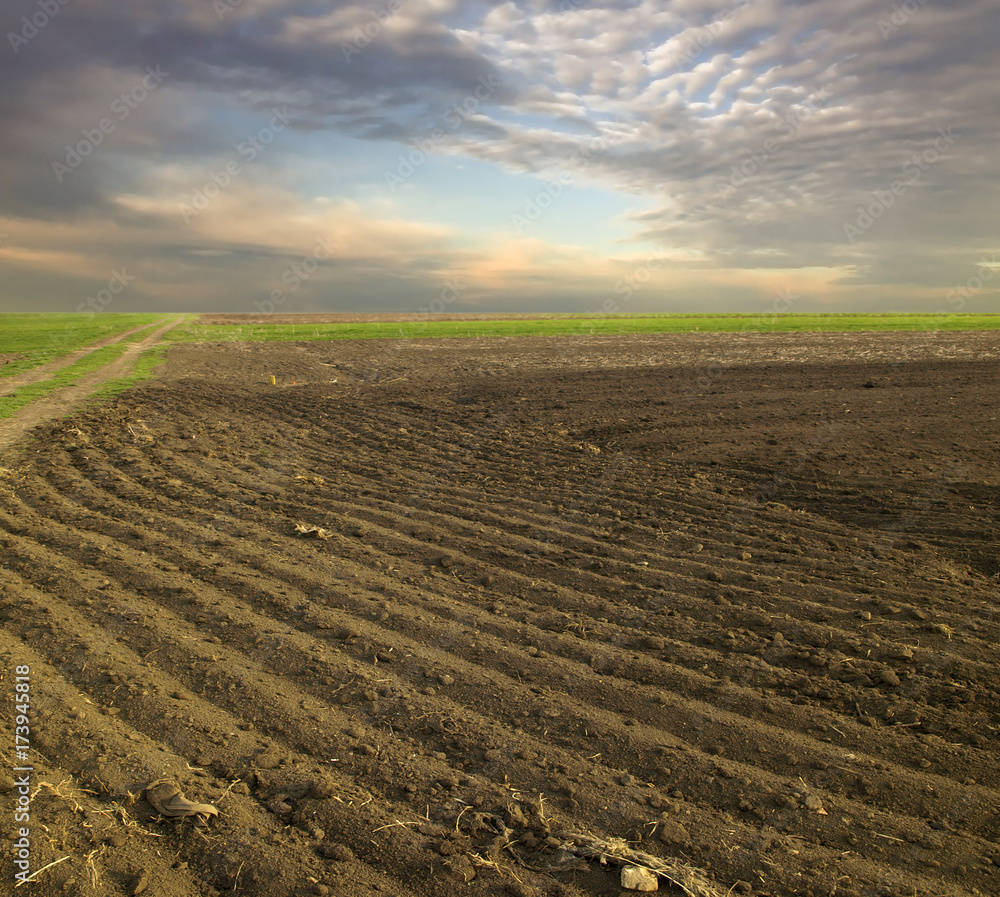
[
  {"x": 339, "y": 852},
  {"x": 638, "y": 878},
  {"x": 268, "y": 760},
  {"x": 280, "y": 806},
  {"x": 141, "y": 883},
  {"x": 888, "y": 677},
  {"x": 116, "y": 838},
  {"x": 518, "y": 889},
  {"x": 322, "y": 790},
  {"x": 672, "y": 832},
  {"x": 461, "y": 868},
  {"x": 814, "y": 802}
]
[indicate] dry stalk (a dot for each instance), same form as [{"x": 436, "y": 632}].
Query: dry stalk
[
  {"x": 225, "y": 793},
  {"x": 91, "y": 867},
  {"x": 56, "y": 790},
  {"x": 692, "y": 881},
  {"x": 465, "y": 810},
  {"x": 382, "y": 828},
  {"x": 31, "y": 878},
  {"x": 236, "y": 881}
]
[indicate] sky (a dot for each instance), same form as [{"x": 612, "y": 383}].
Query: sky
[{"x": 440, "y": 156}]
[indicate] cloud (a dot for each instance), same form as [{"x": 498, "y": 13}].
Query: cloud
[{"x": 748, "y": 135}]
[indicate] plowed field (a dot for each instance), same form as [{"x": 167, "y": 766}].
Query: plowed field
[{"x": 732, "y": 599}]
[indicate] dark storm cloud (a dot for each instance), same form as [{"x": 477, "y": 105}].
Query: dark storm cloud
[{"x": 855, "y": 135}]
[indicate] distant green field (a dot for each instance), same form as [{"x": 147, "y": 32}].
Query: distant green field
[
  {"x": 562, "y": 325},
  {"x": 40, "y": 338}
]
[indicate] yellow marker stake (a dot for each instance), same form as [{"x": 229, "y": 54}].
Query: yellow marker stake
[{"x": 272, "y": 380}]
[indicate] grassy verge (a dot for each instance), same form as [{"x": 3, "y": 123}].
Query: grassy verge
[
  {"x": 25, "y": 395},
  {"x": 143, "y": 370},
  {"x": 40, "y": 338},
  {"x": 572, "y": 324}
]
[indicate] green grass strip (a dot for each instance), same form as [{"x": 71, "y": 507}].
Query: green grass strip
[
  {"x": 40, "y": 338},
  {"x": 567, "y": 325},
  {"x": 25, "y": 395},
  {"x": 145, "y": 365}
]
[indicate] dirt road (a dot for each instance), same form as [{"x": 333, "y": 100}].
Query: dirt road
[{"x": 64, "y": 400}]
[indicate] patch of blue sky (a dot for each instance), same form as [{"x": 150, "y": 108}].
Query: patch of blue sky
[
  {"x": 562, "y": 210},
  {"x": 703, "y": 94},
  {"x": 693, "y": 55},
  {"x": 338, "y": 165},
  {"x": 744, "y": 41},
  {"x": 465, "y": 16}
]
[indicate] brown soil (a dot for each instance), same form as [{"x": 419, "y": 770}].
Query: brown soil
[
  {"x": 229, "y": 318},
  {"x": 731, "y": 598},
  {"x": 62, "y": 401}
]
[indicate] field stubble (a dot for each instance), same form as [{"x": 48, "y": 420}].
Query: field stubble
[{"x": 732, "y": 600}]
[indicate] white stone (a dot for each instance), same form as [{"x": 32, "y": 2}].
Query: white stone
[{"x": 637, "y": 878}]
